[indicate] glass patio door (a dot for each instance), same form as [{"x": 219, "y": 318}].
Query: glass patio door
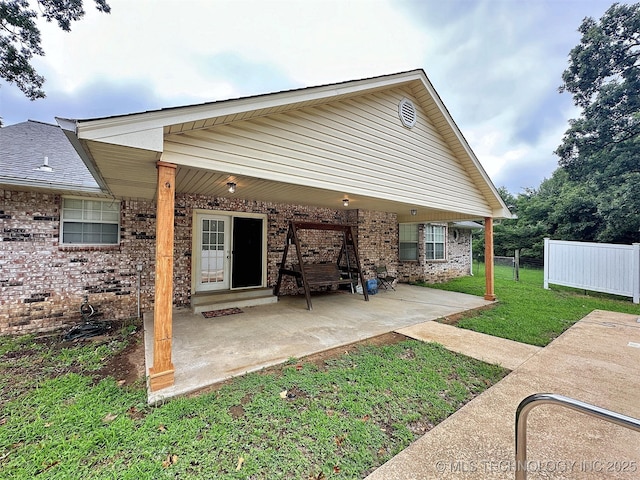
[{"x": 213, "y": 252}]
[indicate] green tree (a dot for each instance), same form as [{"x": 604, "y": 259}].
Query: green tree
[
  {"x": 559, "y": 208},
  {"x": 20, "y": 37},
  {"x": 526, "y": 232},
  {"x": 601, "y": 149}
]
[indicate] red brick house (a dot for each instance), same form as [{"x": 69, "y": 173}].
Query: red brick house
[{"x": 193, "y": 203}]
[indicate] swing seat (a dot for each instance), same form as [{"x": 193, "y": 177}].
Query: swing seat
[
  {"x": 322, "y": 274},
  {"x": 325, "y": 274}
]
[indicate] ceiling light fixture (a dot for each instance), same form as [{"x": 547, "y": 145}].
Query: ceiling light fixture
[
  {"x": 345, "y": 202},
  {"x": 232, "y": 187}
]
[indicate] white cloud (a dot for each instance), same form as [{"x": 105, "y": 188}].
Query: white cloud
[
  {"x": 165, "y": 43},
  {"x": 493, "y": 148}
]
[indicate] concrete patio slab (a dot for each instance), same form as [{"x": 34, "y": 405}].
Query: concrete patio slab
[
  {"x": 209, "y": 350},
  {"x": 490, "y": 349},
  {"x": 595, "y": 361}
]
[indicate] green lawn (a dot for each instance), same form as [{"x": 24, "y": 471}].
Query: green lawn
[
  {"x": 342, "y": 418},
  {"x": 526, "y": 311},
  {"x": 335, "y": 419}
]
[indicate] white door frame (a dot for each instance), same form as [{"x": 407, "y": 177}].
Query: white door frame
[
  {"x": 224, "y": 262},
  {"x": 196, "y": 240}
]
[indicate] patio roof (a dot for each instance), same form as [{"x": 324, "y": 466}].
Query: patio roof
[
  {"x": 121, "y": 151},
  {"x": 313, "y": 146}
]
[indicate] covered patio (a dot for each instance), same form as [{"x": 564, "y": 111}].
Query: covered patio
[
  {"x": 228, "y": 177},
  {"x": 209, "y": 350}
]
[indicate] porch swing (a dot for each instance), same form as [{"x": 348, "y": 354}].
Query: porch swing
[{"x": 308, "y": 275}]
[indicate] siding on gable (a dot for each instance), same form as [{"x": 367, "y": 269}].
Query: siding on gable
[{"x": 357, "y": 145}]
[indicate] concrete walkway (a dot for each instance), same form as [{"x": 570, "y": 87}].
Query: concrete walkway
[
  {"x": 489, "y": 349},
  {"x": 595, "y": 361}
]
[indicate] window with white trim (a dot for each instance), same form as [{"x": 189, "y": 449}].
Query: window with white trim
[
  {"x": 434, "y": 240},
  {"x": 408, "y": 242},
  {"x": 89, "y": 222}
]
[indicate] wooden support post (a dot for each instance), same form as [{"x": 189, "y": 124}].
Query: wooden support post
[
  {"x": 161, "y": 373},
  {"x": 488, "y": 259}
]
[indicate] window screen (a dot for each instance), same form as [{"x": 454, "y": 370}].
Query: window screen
[
  {"x": 408, "y": 242},
  {"x": 90, "y": 222}
]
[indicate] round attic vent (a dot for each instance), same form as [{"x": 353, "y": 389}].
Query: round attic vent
[{"x": 407, "y": 112}]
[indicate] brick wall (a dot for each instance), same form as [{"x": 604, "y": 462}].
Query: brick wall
[
  {"x": 378, "y": 241},
  {"x": 42, "y": 283},
  {"x": 457, "y": 263},
  {"x": 318, "y": 248}
]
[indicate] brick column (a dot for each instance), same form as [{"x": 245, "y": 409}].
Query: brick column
[
  {"x": 161, "y": 373},
  {"x": 488, "y": 259}
]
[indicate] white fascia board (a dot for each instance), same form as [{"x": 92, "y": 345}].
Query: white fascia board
[
  {"x": 152, "y": 139},
  {"x": 66, "y": 124},
  {"x": 116, "y": 129},
  {"x": 70, "y": 129},
  {"x": 502, "y": 211}
]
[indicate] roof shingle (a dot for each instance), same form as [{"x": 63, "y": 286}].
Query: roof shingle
[{"x": 23, "y": 148}]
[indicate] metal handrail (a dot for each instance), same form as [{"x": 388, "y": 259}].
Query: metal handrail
[{"x": 533, "y": 401}]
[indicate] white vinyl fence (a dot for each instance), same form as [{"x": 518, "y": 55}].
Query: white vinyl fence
[{"x": 599, "y": 267}]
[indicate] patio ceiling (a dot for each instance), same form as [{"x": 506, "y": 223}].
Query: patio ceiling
[
  {"x": 211, "y": 183},
  {"x": 131, "y": 173}
]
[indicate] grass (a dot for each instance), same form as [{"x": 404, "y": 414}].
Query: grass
[
  {"x": 340, "y": 418},
  {"x": 528, "y": 313}
]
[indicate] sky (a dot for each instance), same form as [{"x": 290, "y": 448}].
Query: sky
[{"x": 496, "y": 64}]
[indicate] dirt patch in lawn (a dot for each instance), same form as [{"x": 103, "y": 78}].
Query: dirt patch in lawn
[
  {"x": 456, "y": 317},
  {"x": 127, "y": 366}
]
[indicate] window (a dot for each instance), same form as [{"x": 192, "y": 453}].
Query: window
[
  {"x": 434, "y": 237},
  {"x": 408, "y": 242},
  {"x": 90, "y": 222}
]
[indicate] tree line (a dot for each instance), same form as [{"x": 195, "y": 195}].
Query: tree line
[{"x": 594, "y": 195}]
